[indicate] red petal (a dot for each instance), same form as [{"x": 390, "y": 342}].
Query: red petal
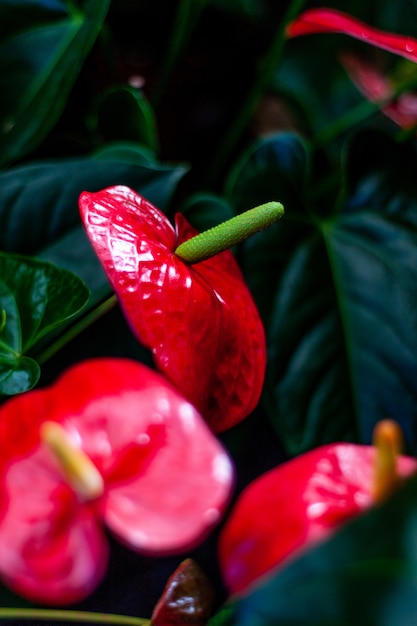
[
  {"x": 236, "y": 377},
  {"x": 167, "y": 492},
  {"x": 330, "y": 21},
  {"x": 376, "y": 87},
  {"x": 52, "y": 549},
  {"x": 295, "y": 505},
  {"x": 167, "y": 478},
  {"x": 200, "y": 322}
]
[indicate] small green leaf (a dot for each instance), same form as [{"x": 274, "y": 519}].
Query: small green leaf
[
  {"x": 44, "y": 297},
  {"x": 17, "y": 375},
  {"x": 10, "y": 334}
]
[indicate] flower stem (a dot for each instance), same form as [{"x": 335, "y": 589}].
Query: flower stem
[
  {"x": 76, "y": 329},
  {"x": 359, "y": 114},
  {"x": 233, "y": 231},
  {"x": 56, "y": 615}
]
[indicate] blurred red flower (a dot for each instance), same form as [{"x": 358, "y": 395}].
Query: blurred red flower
[
  {"x": 369, "y": 79},
  {"x": 149, "y": 469},
  {"x": 295, "y": 505}
]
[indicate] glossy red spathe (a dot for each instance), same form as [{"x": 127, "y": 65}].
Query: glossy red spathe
[
  {"x": 166, "y": 477},
  {"x": 324, "y": 20},
  {"x": 295, "y": 505},
  {"x": 199, "y": 320}
]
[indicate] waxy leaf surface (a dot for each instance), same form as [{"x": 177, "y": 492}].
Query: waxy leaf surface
[
  {"x": 35, "y": 297},
  {"x": 341, "y": 287}
]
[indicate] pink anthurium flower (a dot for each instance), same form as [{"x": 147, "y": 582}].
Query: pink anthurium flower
[
  {"x": 110, "y": 443},
  {"x": 323, "y": 20},
  {"x": 378, "y": 88},
  {"x": 369, "y": 80},
  {"x": 199, "y": 320},
  {"x": 304, "y": 500}
]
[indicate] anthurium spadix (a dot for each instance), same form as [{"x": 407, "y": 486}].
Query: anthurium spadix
[
  {"x": 303, "y": 501},
  {"x": 112, "y": 444},
  {"x": 185, "y": 298}
]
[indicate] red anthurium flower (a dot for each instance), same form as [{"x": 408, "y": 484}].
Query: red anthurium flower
[
  {"x": 324, "y": 20},
  {"x": 111, "y": 442},
  {"x": 376, "y": 87},
  {"x": 199, "y": 320},
  {"x": 303, "y": 501}
]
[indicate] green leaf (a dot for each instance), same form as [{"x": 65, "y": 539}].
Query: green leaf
[
  {"x": 38, "y": 66},
  {"x": 275, "y": 168},
  {"x": 35, "y": 298},
  {"x": 338, "y": 297},
  {"x": 124, "y": 114},
  {"x": 255, "y": 177},
  {"x": 205, "y": 210},
  {"x": 43, "y": 297},
  {"x": 17, "y": 375},
  {"x": 364, "y": 575},
  {"x": 39, "y": 201}
]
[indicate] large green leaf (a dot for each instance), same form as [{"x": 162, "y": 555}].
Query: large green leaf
[
  {"x": 365, "y": 575},
  {"x": 340, "y": 312},
  {"x": 39, "y": 63},
  {"x": 39, "y": 201},
  {"x": 35, "y": 297},
  {"x": 275, "y": 168}
]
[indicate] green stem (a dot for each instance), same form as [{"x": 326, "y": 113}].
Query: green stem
[
  {"x": 77, "y": 328},
  {"x": 229, "y": 233},
  {"x": 72, "y": 616},
  {"x": 359, "y": 114},
  {"x": 263, "y": 80},
  {"x": 185, "y": 20}
]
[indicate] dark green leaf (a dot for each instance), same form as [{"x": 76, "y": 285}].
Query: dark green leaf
[
  {"x": 205, "y": 210},
  {"x": 256, "y": 179},
  {"x": 338, "y": 299},
  {"x": 38, "y": 67},
  {"x": 125, "y": 114},
  {"x": 275, "y": 168},
  {"x": 17, "y": 375},
  {"x": 244, "y": 8},
  {"x": 37, "y": 296},
  {"x": 29, "y": 14},
  {"x": 365, "y": 575},
  {"x": 39, "y": 201}
]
